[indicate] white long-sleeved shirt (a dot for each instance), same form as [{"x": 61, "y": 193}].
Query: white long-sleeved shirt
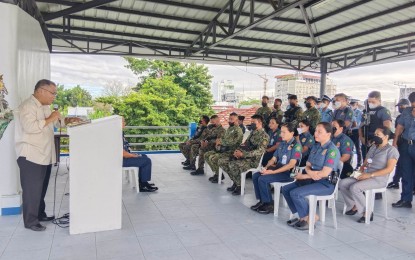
[{"x": 34, "y": 140}]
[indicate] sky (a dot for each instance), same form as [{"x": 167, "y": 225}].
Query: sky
[{"x": 94, "y": 72}]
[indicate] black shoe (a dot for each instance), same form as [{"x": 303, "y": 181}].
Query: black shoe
[
  {"x": 301, "y": 225},
  {"x": 38, "y": 227},
  {"x": 363, "y": 219},
  {"x": 46, "y": 218},
  {"x": 231, "y": 188},
  {"x": 185, "y": 163},
  {"x": 402, "y": 204},
  {"x": 215, "y": 179},
  {"x": 378, "y": 196},
  {"x": 257, "y": 206},
  {"x": 292, "y": 222},
  {"x": 237, "y": 191},
  {"x": 393, "y": 185},
  {"x": 351, "y": 212},
  {"x": 266, "y": 208},
  {"x": 189, "y": 167},
  {"x": 211, "y": 178},
  {"x": 198, "y": 172},
  {"x": 148, "y": 188}
]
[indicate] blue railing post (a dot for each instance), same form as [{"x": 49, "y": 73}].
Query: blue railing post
[{"x": 192, "y": 129}]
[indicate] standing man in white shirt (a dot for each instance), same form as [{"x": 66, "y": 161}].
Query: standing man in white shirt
[{"x": 35, "y": 150}]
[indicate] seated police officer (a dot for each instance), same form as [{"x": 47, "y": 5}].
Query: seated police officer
[
  {"x": 274, "y": 140},
  {"x": 345, "y": 146},
  {"x": 141, "y": 161},
  {"x": 278, "y": 169},
  {"x": 379, "y": 163},
  {"x": 323, "y": 160},
  {"x": 305, "y": 139}
]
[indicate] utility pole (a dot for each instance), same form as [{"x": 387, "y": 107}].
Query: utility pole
[{"x": 264, "y": 77}]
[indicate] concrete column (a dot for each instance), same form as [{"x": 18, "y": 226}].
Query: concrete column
[{"x": 323, "y": 76}]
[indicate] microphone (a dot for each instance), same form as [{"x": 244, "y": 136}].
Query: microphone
[{"x": 56, "y": 108}]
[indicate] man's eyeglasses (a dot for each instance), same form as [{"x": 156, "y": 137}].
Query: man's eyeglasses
[{"x": 53, "y": 93}]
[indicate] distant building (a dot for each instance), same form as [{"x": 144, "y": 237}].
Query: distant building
[
  {"x": 303, "y": 85},
  {"x": 405, "y": 91}
]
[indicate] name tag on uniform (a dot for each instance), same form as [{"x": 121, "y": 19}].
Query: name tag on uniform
[
  {"x": 324, "y": 152},
  {"x": 284, "y": 159}
]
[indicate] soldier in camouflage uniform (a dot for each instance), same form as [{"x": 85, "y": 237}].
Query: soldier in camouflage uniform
[
  {"x": 311, "y": 114},
  {"x": 247, "y": 155},
  {"x": 215, "y": 132},
  {"x": 264, "y": 111},
  {"x": 201, "y": 132},
  {"x": 277, "y": 112},
  {"x": 224, "y": 146},
  {"x": 294, "y": 111}
]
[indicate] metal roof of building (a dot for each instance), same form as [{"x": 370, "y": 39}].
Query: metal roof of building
[{"x": 292, "y": 34}]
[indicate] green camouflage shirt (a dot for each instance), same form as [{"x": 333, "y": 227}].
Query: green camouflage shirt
[
  {"x": 214, "y": 133},
  {"x": 259, "y": 139},
  {"x": 232, "y": 137},
  {"x": 264, "y": 112},
  {"x": 313, "y": 116},
  {"x": 203, "y": 136}
]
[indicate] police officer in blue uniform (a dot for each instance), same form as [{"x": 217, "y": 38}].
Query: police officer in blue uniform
[
  {"x": 278, "y": 169},
  {"x": 357, "y": 120},
  {"x": 406, "y": 128},
  {"x": 274, "y": 139},
  {"x": 345, "y": 146},
  {"x": 325, "y": 112},
  {"x": 305, "y": 139},
  {"x": 316, "y": 178},
  {"x": 343, "y": 111}
]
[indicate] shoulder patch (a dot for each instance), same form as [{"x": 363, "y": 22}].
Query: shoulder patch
[
  {"x": 297, "y": 148},
  {"x": 332, "y": 153}
]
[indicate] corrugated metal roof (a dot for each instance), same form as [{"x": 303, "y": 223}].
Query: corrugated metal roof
[{"x": 347, "y": 33}]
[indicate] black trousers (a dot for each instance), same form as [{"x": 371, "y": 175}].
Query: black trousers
[
  {"x": 34, "y": 179},
  {"x": 355, "y": 138}
]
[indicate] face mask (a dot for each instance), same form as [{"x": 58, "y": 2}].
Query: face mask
[
  {"x": 308, "y": 105},
  {"x": 337, "y": 104},
  {"x": 200, "y": 122},
  {"x": 231, "y": 124},
  {"x": 300, "y": 131},
  {"x": 253, "y": 127},
  {"x": 376, "y": 140},
  {"x": 400, "y": 109},
  {"x": 372, "y": 106},
  {"x": 276, "y": 106},
  {"x": 323, "y": 105},
  {"x": 211, "y": 126},
  {"x": 264, "y": 104},
  {"x": 292, "y": 105}
]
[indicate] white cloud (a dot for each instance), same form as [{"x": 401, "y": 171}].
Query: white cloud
[{"x": 97, "y": 71}]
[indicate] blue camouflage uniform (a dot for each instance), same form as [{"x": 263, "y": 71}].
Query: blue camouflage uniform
[
  {"x": 345, "y": 114},
  {"x": 295, "y": 193},
  {"x": 345, "y": 146},
  {"x": 284, "y": 153},
  {"x": 306, "y": 140},
  {"x": 143, "y": 163},
  {"x": 407, "y": 158},
  {"x": 326, "y": 115},
  {"x": 274, "y": 137}
]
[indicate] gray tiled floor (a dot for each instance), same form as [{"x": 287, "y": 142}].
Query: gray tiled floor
[{"x": 190, "y": 218}]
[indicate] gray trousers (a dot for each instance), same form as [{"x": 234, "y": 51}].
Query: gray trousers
[
  {"x": 32, "y": 177},
  {"x": 353, "y": 189}
]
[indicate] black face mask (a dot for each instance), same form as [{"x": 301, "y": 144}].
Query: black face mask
[
  {"x": 376, "y": 140},
  {"x": 253, "y": 127},
  {"x": 292, "y": 105},
  {"x": 308, "y": 105},
  {"x": 231, "y": 124},
  {"x": 400, "y": 109},
  {"x": 211, "y": 126},
  {"x": 264, "y": 104}
]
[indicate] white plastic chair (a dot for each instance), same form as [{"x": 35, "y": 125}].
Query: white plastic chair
[
  {"x": 132, "y": 176},
  {"x": 370, "y": 203},
  {"x": 312, "y": 200}
]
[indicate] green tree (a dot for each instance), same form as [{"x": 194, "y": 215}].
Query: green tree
[
  {"x": 193, "y": 78},
  {"x": 73, "y": 97},
  {"x": 250, "y": 102}
]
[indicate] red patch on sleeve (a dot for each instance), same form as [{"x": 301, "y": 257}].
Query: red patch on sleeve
[
  {"x": 297, "y": 155},
  {"x": 348, "y": 149},
  {"x": 330, "y": 161}
]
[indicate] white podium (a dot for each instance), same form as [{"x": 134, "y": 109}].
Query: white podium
[{"x": 95, "y": 176}]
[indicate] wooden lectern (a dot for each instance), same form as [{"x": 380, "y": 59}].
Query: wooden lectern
[{"x": 95, "y": 176}]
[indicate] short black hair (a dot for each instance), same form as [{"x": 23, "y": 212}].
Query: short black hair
[
  {"x": 265, "y": 97},
  {"x": 327, "y": 127},
  {"x": 411, "y": 97},
  {"x": 259, "y": 118},
  {"x": 205, "y": 118},
  {"x": 275, "y": 119},
  {"x": 374, "y": 94},
  {"x": 341, "y": 123},
  {"x": 342, "y": 95},
  {"x": 242, "y": 118},
  {"x": 278, "y": 99},
  {"x": 214, "y": 116},
  {"x": 44, "y": 82},
  {"x": 291, "y": 127},
  {"x": 387, "y": 131},
  {"x": 233, "y": 114},
  {"x": 306, "y": 122}
]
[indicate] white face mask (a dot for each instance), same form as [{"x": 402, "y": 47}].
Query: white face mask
[
  {"x": 337, "y": 104},
  {"x": 300, "y": 130},
  {"x": 372, "y": 106}
]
